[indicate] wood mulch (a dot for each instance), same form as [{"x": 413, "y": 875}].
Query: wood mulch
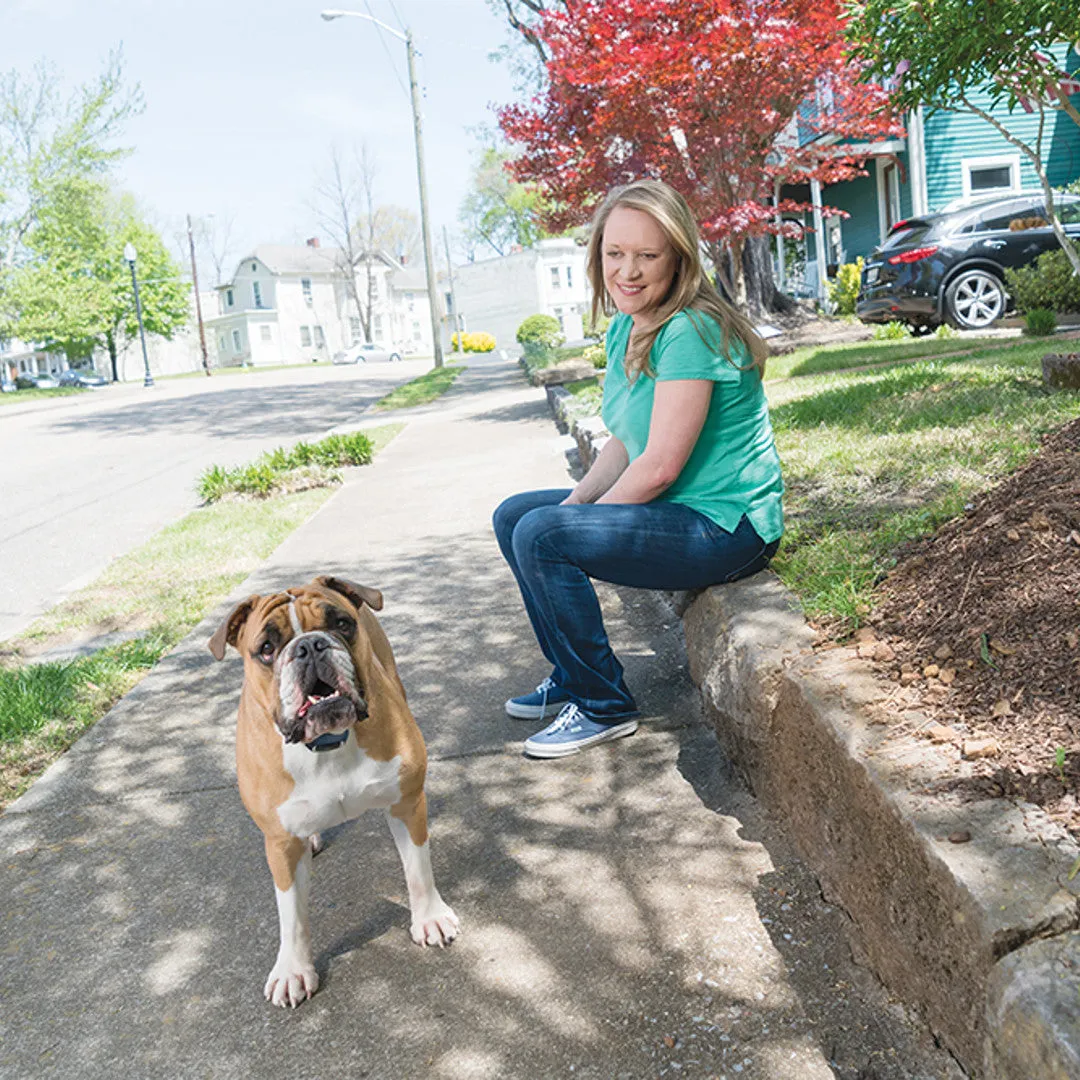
[{"x": 980, "y": 625}]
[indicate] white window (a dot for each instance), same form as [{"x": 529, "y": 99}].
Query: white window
[
  {"x": 228, "y": 298},
  {"x": 416, "y": 331},
  {"x": 223, "y": 343},
  {"x": 305, "y": 285},
  {"x": 556, "y": 277},
  {"x": 264, "y": 331},
  {"x": 569, "y": 277},
  {"x": 254, "y": 268},
  {"x": 256, "y": 292},
  {"x": 990, "y": 175},
  {"x": 409, "y": 300},
  {"x": 354, "y": 328},
  {"x": 374, "y": 287},
  {"x": 237, "y": 345},
  {"x": 377, "y": 327},
  {"x": 320, "y": 341},
  {"x": 559, "y": 316},
  {"x": 305, "y": 336}
]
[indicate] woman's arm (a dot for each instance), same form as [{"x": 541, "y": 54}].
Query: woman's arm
[
  {"x": 606, "y": 469},
  {"x": 678, "y": 415}
]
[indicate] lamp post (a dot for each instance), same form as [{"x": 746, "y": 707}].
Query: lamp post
[
  {"x": 418, "y": 135},
  {"x": 130, "y": 255}
]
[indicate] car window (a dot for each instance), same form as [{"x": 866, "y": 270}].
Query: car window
[
  {"x": 1069, "y": 213},
  {"x": 1013, "y": 216},
  {"x": 911, "y": 232}
]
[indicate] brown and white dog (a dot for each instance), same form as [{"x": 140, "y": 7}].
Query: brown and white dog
[{"x": 324, "y": 732}]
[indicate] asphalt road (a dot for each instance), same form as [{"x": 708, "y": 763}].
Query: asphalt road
[{"x": 90, "y": 477}]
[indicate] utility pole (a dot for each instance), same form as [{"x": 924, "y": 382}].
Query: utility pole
[
  {"x": 198, "y": 303},
  {"x": 453, "y": 298},
  {"x": 425, "y": 227}
]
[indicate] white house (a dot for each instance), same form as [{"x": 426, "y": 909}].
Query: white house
[
  {"x": 290, "y": 304},
  {"x": 497, "y": 295}
]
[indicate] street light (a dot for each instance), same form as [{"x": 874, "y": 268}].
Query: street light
[
  {"x": 425, "y": 228},
  {"x": 130, "y": 255}
]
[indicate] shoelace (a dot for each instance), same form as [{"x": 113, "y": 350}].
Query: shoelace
[
  {"x": 543, "y": 688},
  {"x": 570, "y": 715}
]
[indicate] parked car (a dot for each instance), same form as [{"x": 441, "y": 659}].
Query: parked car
[
  {"x": 366, "y": 352},
  {"x": 31, "y": 380},
  {"x": 7, "y": 386},
  {"x": 81, "y": 378},
  {"x": 950, "y": 267}
]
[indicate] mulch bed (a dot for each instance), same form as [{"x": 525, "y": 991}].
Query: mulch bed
[{"x": 980, "y": 627}]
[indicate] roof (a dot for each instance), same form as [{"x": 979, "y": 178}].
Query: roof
[{"x": 297, "y": 258}]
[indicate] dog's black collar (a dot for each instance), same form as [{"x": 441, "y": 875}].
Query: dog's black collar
[{"x": 329, "y": 741}]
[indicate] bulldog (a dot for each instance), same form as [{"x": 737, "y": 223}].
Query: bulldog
[{"x": 323, "y": 733}]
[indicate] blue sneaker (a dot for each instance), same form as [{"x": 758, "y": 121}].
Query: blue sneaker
[
  {"x": 572, "y": 731},
  {"x": 546, "y": 700}
]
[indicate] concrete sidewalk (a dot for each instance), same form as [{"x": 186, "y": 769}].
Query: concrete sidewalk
[{"x": 628, "y": 912}]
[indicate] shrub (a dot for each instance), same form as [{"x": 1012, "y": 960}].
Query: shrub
[
  {"x": 891, "y": 331},
  {"x": 540, "y": 330},
  {"x": 1049, "y": 282},
  {"x": 844, "y": 290},
  {"x": 1040, "y": 322},
  {"x": 479, "y": 342},
  {"x": 597, "y": 330},
  {"x": 596, "y": 355},
  {"x": 944, "y": 332}
]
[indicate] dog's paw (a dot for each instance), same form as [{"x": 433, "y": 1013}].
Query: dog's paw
[
  {"x": 290, "y": 983},
  {"x": 316, "y": 842},
  {"x": 436, "y": 926}
]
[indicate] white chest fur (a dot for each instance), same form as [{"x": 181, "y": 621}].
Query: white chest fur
[{"x": 335, "y": 786}]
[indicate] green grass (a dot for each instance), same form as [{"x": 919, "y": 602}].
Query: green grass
[
  {"x": 587, "y": 397},
  {"x": 159, "y": 591},
  {"x": 873, "y": 459},
  {"x": 816, "y": 359},
  {"x": 422, "y": 390},
  {"x": 303, "y": 465},
  {"x": 23, "y": 396}
]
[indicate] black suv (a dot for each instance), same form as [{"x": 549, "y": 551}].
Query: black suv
[{"x": 949, "y": 267}]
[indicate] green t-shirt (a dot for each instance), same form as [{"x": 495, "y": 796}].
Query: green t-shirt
[{"x": 734, "y": 468}]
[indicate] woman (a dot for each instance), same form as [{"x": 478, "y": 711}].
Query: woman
[{"x": 686, "y": 492}]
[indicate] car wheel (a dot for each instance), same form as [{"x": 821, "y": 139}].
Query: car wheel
[
  {"x": 974, "y": 299},
  {"x": 395, "y": 358}
]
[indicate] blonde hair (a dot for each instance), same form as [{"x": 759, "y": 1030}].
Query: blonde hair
[{"x": 690, "y": 289}]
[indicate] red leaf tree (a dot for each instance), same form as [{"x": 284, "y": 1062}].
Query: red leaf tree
[{"x": 704, "y": 94}]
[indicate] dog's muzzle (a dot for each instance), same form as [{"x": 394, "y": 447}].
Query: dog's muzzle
[{"x": 319, "y": 689}]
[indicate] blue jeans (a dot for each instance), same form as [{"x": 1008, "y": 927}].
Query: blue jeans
[{"x": 554, "y": 550}]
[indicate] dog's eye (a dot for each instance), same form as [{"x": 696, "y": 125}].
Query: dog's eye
[
  {"x": 266, "y": 651},
  {"x": 344, "y": 625}
]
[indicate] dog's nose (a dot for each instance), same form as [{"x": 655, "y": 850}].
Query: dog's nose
[{"x": 304, "y": 649}]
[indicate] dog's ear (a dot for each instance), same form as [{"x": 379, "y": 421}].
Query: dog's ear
[
  {"x": 229, "y": 631},
  {"x": 358, "y": 594}
]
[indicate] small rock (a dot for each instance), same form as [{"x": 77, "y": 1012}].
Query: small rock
[
  {"x": 1072, "y": 640},
  {"x": 669, "y": 1042},
  {"x": 980, "y": 748},
  {"x": 866, "y": 651},
  {"x": 961, "y": 836},
  {"x": 909, "y": 677},
  {"x": 1013, "y": 535},
  {"x": 906, "y": 667},
  {"x": 1001, "y": 708},
  {"x": 1074, "y": 536},
  {"x": 943, "y": 652},
  {"x": 947, "y": 675},
  {"x": 931, "y": 671},
  {"x": 1039, "y": 520},
  {"x": 865, "y": 634},
  {"x": 1001, "y": 648},
  {"x": 941, "y": 733},
  {"x": 883, "y": 653}
]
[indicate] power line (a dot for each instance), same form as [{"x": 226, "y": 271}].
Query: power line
[
  {"x": 386, "y": 49},
  {"x": 393, "y": 8}
]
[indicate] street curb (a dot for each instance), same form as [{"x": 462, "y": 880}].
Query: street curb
[{"x": 978, "y": 936}]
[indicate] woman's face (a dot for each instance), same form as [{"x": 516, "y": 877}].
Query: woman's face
[{"x": 639, "y": 263}]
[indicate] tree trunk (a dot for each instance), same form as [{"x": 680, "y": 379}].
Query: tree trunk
[
  {"x": 110, "y": 340},
  {"x": 755, "y": 282}
]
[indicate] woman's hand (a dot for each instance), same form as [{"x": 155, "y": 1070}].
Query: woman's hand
[{"x": 680, "y": 407}]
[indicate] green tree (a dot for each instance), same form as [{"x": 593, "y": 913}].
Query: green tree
[
  {"x": 74, "y": 291},
  {"x": 943, "y": 55},
  {"x": 498, "y": 211}
]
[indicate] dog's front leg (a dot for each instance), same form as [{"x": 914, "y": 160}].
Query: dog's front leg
[
  {"x": 292, "y": 978},
  {"x": 433, "y": 922}
]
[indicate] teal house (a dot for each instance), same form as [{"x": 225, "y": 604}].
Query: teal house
[{"x": 943, "y": 157}]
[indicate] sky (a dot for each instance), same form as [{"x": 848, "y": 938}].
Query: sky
[{"x": 244, "y": 102}]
